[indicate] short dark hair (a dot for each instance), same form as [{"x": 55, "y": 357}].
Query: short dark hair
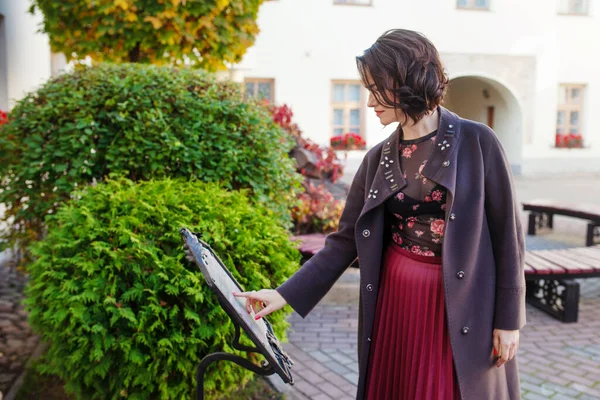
[{"x": 407, "y": 65}]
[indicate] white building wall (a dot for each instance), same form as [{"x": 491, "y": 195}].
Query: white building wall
[
  {"x": 304, "y": 45},
  {"x": 27, "y": 53}
]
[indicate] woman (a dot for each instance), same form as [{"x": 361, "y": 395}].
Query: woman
[{"x": 432, "y": 217}]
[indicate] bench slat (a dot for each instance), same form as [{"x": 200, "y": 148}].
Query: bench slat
[
  {"x": 555, "y": 259},
  {"x": 568, "y": 261},
  {"x": 529, "y": 269},
  {"x": 591, "y": 258},
  {"x": 589, "y": 252},
  {"x": 542, "y": 266}
]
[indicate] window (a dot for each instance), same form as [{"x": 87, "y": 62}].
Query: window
[
  {"x": 473, "y": 4},
  {"x": 347, "y": 107},
  {"x": 263, "y": 89},
  {"x": 574, "y": 7},
  {"x": 569, "y": 115},
  {"x": 354, "y": 2}
]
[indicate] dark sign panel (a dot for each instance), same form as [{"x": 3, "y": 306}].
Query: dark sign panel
[{"x": 223, "y": 285}]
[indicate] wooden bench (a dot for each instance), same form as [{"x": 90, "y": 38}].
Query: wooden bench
[
  {"x": 309, "y": 244},
  {"x": 541, "y": 213},
  {"x": 549, "y": 275}
]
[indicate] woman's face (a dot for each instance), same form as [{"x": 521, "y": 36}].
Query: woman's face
[{"x": 386, "y": 114}]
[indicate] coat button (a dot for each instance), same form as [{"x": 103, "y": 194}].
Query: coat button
[
  {"x": 452, "y": 217},
  {"x": 370, "y": 287},
  {"x": 366, "y": 233},
  {"x": 460, "y": 274},
  {"x": 368, "y": 339},
  {"x": 446, "y": 163},
  {"x": 465, "y": 330}
]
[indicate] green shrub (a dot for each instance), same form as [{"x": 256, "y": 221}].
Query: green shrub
[
  {"x": 122, "y": 310},
  {"x": 140, "y": 122}
]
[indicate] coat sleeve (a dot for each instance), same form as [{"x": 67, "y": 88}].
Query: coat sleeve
[
  {"x": 508, "y": 243},
  {"x": 314, "y": 279}
]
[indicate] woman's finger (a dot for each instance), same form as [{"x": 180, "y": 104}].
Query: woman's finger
[
  {"x": 504, "y": 354},
  {"x": 252, "y": 293},
  {"x": 255, "y": 306},
  {"x": 496, "y": 344},
  {"x": 264, "y": 312}
]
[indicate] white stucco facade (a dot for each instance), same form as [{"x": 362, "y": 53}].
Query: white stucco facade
[
  {"x": 520, "y": 51},
  {"x": 25, "y": 57},
  {"x": 517, "y": 54}
]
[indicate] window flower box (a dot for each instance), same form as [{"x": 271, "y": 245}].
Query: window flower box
[
  {"x": 348, "y": 141},
  {"x": 569, "y": 140}
]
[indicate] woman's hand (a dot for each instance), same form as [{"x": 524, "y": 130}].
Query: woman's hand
[
  {"x": 506, "y": 344},
  {"x": 263, "y": 302}
]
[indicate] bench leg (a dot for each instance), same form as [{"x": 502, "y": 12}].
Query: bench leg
[
  {"x": 593, "y": 231},
  {"x": 532, "y": 223},
  {"x": 539, "y": 220},
  {"x": 559, "y": 298}
]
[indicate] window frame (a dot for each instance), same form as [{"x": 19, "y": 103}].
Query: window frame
[
  {"x": 347, "y": 105},
  {"x": 570, "y": 10},
  {"x": 471, "y": 6},
  {"x": 256, "y": 81},
  {"x": 568, "y": 107},
  {"x": 350, "y": 3}
]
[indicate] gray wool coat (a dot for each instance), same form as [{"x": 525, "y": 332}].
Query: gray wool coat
[{"x": 482, "y": 254}]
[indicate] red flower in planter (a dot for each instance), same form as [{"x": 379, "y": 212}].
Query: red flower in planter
[
  {"x": 3, "y": 117},
  {"x": 569, "y": 140},
  {"x": 327, "y": 166},
  {"x": 353, "y": 141}
]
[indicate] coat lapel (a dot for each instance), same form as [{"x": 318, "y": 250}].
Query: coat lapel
[{"x": 440, "y": 167}]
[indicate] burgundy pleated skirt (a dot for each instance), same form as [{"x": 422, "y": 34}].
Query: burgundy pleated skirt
[{"x": 411, "y": 357}]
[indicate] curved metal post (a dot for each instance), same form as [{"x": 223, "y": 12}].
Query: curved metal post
[{"x": 241, "y": 361}]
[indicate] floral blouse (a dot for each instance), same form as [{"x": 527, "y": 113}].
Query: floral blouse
[{"x": 417, "y": 212}]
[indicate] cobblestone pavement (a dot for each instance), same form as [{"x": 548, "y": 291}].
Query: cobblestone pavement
[{"x": 17, "y": 341}]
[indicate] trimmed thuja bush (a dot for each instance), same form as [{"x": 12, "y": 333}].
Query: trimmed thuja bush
[
  {"x": 141, "y": 122},
  {"x": 124, "y": 313}
]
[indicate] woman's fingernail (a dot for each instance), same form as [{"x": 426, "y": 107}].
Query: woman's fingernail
[
  {"x": 495, "y": 352},
  {"x": 257, "y": 317}
]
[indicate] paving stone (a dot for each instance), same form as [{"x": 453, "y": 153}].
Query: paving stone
[
  {"x": 321, "y": 396},
  {"x": 352, "y": 377},
  {"x": 560, "y": 389},
  {"x": 6, "y": 306},
  {"x": 586, "y": 390},
  {"x": 530, "y": 378},
  {"x": 331, "y": 390},
  {"x": 537, "y": 389},
  {"x": 306, "y": 388},
  {"x": 534, "y": 396},
  {"x": 311, "y": 377},
  {"x": 319, "y": 356}
]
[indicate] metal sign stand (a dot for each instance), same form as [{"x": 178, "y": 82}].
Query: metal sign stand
[
  {"x": 261, "y": 333},
  {"x": 265, "y": 370}
]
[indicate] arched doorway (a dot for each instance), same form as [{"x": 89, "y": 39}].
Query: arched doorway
[{"x": 484, "y": 99}]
